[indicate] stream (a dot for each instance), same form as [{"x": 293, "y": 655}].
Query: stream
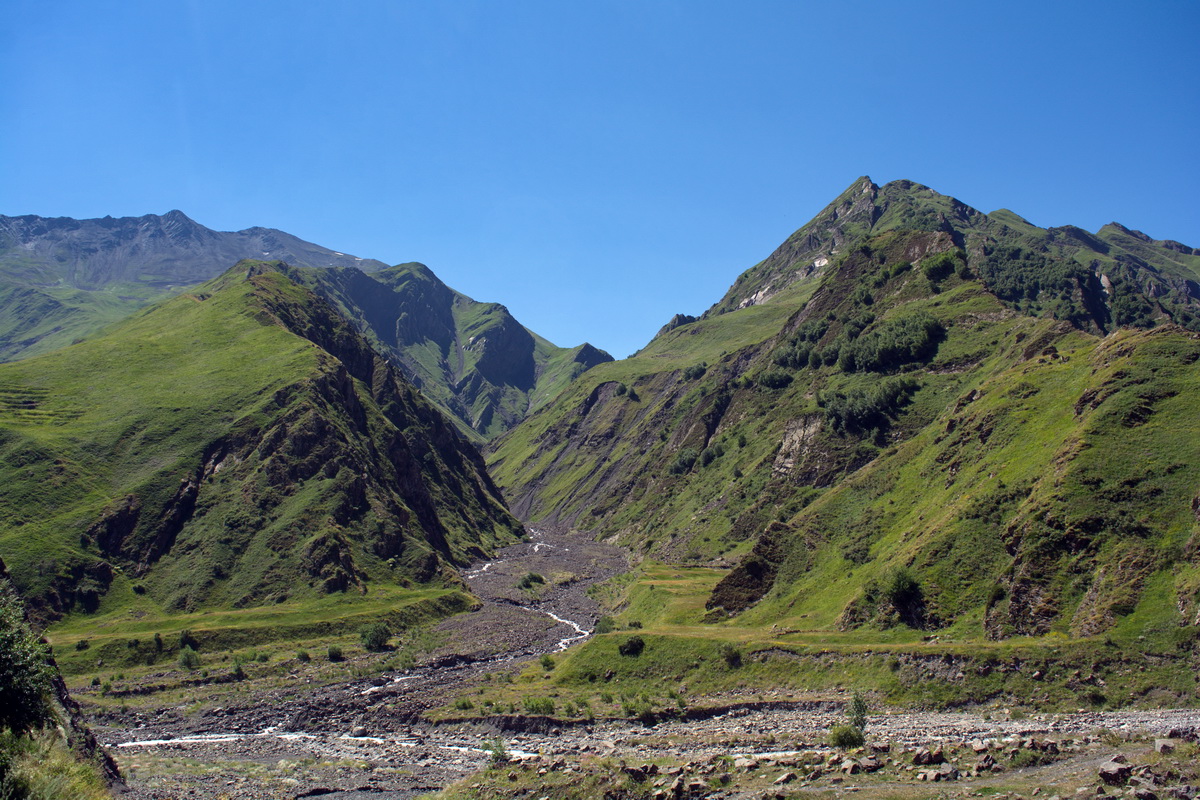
[{"x": 377, "y": 720}]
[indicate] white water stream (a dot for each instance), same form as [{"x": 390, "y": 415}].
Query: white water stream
[{"x": 578, "y": 633}]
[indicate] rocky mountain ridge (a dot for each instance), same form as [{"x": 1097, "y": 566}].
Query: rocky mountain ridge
[
  {"x": 474, "y": 360},
  {"x": 237, "y": 445},
  {"x": 62, "y": 279},
  {"x": 851, "y": 429}
]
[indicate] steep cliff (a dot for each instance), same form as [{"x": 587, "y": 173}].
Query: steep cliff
[{"x": 473, "y": 359}]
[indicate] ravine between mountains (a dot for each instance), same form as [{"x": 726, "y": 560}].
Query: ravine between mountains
[{"x": 366, "y": 739}]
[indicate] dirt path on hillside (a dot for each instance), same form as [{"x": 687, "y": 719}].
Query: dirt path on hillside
[{"x": 365, "y": 738}]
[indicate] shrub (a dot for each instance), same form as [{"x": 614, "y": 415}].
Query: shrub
[
  {"x": 238, "y": 673},
  {"x": 892, "y": 344},
  {"x": 774, "y": 379},
  {"x": 695, "y": 371},
  {"x": 82, "y": 644},
  {"x": 685, "y": 459},
  {"x": 901, "y": 588},
  {"x": 334, "y": 653},
  {"x": 732, "y": 656},
  {"x": 303, "y": 656},
  {"x": 497, "y": 752},
  {"x": 939, "y": 266},
  {"x": 633, "y": 646},
  {"x": 375, "y": 636},
  {"x": 464, "y": 704},
  {"x": 541, "y": 706},
  {"x": 530, "y": 580},
  {"x": 710, "y": 454},
  {"x": 846, "y": 737},
  {"x": 187, "y": 640},
  {"x": 547, "y": 662},
  {"x": 158, "y": 643},
  {"x": 605, "y": 624},
  {"x": 188, "y": 658},
  {"x": 859, "y": 410}
]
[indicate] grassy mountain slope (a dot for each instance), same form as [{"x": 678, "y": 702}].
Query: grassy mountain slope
[
  {"x": 911, "y": 415},
  {"x": 62, "y": 279},
  {"x": 237, "y": 445},
  {"x": 472, "y": 359}
]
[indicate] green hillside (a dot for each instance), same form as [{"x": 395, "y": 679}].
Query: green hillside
[
  {"x": 911, "y": 417},
  {"x": 234, "y": 446},
  {"x": 62, "y": 279}
]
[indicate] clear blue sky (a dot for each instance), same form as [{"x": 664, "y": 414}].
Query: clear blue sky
[{"x": 596, "y": 166}]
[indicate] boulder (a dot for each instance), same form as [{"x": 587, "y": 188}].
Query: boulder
[
  {"x": 1114, "y": 773},
  {"x": 947, "y": 772},
  {"x": 924, "y": 757}
]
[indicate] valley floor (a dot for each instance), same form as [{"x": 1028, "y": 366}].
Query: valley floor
[{"x": 359, "y": 732}]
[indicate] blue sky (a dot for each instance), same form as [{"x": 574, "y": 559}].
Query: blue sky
[{"x": 594, "y": 166}]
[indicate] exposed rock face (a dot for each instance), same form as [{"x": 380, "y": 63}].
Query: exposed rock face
[{"x": 475, "y": 360}]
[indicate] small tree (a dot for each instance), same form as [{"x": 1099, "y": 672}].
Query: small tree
[
  {"x": 732, "y": 656},
  {"x": 856, "y": 712},
  {"x": 375, "y": 636},
  {"x": 854, "y": 734},
  {"x": 24, "y": 673},
  {"x": 188, "y": 658}
]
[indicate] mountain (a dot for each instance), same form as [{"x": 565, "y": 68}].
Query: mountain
[
  {"x": 236, "y": 445},
  {"x": 62, "y": 278},
  {"x": 473, "y": 359},
  {"x": 911, "y": 414}
]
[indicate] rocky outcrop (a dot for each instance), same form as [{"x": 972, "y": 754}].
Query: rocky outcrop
[{"x": 474, "y": 360}]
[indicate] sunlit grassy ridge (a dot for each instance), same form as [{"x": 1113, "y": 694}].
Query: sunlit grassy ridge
[
  {"x": 236, "y": 445},
  {"x": 911, "y": 418}
]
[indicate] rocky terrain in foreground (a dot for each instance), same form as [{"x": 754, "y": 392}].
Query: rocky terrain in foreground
[{"x": 366, "y": 737}]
